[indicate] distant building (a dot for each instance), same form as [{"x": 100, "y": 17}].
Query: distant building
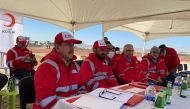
[{"x": 27, "y": 38}]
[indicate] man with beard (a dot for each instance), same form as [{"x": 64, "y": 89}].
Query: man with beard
[
  {"x": 96, "y": 72},
  {"x": 20, "y": 60},
  {"x": 58, "y": 75},
  {"x": 153, "y": 68}
]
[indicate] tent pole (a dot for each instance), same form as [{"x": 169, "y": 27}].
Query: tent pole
[
  {"x": 103, "y": 33},
  {"x": 143, "y": 52},
  {"x": 73, "y": 23},
  {"x": 145, "y": 40}
]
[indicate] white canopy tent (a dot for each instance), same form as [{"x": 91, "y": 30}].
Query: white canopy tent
[
  {"x": 78, "y": 14},
  {"x": 149, "y": 30}
]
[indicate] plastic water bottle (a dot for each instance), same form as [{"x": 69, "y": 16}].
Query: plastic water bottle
[
  {"x": 188, "y": 81},
  {"x": 163, "y": 91},
  {"x": 184, "y": 88},
  {"x": 177, "y": 85},
  {"x": 169, "y": 92},
  {"x": 16, "y": 84},
  {"x": 150, "y": 94}
]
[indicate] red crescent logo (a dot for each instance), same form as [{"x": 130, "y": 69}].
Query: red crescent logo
[{"x": 12, "y": 20}]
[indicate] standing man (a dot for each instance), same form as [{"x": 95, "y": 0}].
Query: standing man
[
  {"x": 127, "y": 69},
  {"x": 96, "y": 72},
  {"x": 107, "y": 41},
  {"x": 58, "y": 75},
  {"x": 152, "y": 67},
  {"x": 20, "y": 60},
  {"x": 172, "y": 61}
]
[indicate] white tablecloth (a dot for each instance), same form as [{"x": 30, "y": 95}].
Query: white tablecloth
[{"x": 177, "y": 103}]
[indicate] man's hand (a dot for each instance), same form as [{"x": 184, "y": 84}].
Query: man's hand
[
  {"x": 34, "y": 59},
  {"x": 132, "y": 81},
  {"x": 24, "y": 58},
  {"x": 160, "y": 80}
]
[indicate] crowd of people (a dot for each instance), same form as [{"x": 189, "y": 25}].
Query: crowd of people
[{"x": 59, "y": 75}]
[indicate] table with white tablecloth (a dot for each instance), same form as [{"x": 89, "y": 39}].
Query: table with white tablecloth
[{"x": 176, "y": 103}]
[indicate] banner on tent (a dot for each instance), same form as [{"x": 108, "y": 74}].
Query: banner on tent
[{"x": 11, "y": 25}]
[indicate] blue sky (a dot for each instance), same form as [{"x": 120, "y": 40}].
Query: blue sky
[{"x": 42, "y": 31}]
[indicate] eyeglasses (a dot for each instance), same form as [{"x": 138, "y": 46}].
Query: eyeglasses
[{"x": 107, "y": 91}]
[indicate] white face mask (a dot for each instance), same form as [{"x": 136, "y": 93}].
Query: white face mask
[
  {"x": 117, "y": 52},
  {"x": 111, "y": 54}
]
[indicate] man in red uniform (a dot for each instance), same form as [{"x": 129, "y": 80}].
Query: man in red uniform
[
  {"x": 96, "y": 72},
  {"x": 110, "y": 53},
  {"x": 58, "y": 75},
  {"x": 152, "y": 67},
  {"x": 114, "y": 61},
  {"x": 127, "y": 70},
  {"x": 172, "y": 61},
  {"x": 20, "y": 60}
]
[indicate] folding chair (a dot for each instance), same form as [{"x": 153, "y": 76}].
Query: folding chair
[
  {"x": 2, "y": 63},
  {"x": 180, "y": 68},
  {"x": 186, "y": 69},
  {"x": 79, "y": 62}
]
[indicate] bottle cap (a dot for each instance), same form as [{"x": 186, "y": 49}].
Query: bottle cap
[{"x": 151, "y": 83}]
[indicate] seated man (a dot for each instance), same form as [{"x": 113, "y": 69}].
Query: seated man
[
  {"x": 152, "y": 67},
  {"x": 114, "y": 61},
  {"x": 58, "y": 75},
  {"x": 20, "y": 60},
  {"x": 127, "y": 69},
  {"x": 117, "y": 51},
  {"x": 96, "y": 72},
  {"x": 110, "y": 53}
]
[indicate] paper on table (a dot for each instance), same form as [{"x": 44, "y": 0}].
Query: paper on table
[
  {"x": 135, "y": 90},
  {"x": 93, "y": 101},
  {"x": 123, "y": 97},
  {"x": 62, "y": 103}
]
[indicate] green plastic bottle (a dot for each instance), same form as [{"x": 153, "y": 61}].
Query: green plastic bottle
[
  {"x": 164, "y": 94},
  {"x": 169, "y": 92},
  {"x": 159, "y": 104},
  {"x": 11, "y": 85},
  {"x": 184, "y": 87}
]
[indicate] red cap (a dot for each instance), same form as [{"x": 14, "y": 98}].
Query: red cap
[
  {"x": 66, "y": 37},
  {"x": 100, "y": 44},
  {"x": 21, "y": 40}
]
